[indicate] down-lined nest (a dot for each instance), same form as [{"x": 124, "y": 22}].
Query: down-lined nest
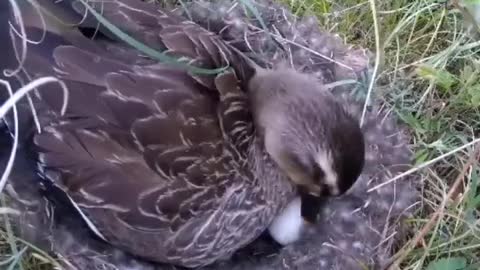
[{"x": 356, "y": 231}]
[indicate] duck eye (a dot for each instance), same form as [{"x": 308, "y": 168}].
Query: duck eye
[{"x": 318, "y": 174}]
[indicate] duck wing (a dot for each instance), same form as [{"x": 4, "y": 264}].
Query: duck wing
[{"x": 150, "y": 155}]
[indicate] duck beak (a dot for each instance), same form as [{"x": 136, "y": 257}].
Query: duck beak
[{"x": 310, "y": 207}]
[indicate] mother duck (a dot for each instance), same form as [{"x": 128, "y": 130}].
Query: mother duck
[{"x": 173, "y": 166}]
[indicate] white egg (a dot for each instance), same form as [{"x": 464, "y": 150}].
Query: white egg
[{"x": 288, "y": 225}]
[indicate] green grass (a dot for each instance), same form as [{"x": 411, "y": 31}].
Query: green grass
[{"x": 429, "y": 73}]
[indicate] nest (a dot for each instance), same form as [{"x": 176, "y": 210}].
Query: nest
[{"x": 357, "y": 231}]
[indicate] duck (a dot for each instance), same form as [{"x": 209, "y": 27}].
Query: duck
[{"x": 169, "y": 165}]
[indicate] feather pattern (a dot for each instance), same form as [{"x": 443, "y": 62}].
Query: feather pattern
[{"x": 151, "y": 151}]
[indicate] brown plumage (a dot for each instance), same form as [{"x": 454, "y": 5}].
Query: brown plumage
[{"x": 175, "y": 167}]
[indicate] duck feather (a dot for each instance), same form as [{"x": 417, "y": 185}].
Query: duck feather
[{"x": 148, "y": 150}]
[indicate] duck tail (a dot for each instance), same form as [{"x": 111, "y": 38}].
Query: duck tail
[
  {"x": 7, "y": 59},
  {"x": 22, "y": 62},
  {"x": 22, "y": 189}
]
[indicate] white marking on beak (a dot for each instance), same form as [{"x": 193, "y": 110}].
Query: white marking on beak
[{"x": 325, "y": 162}]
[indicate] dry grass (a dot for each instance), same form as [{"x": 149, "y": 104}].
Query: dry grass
[{"x": 427, "y": 66}]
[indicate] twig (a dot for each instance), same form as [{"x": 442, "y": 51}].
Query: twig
[
  {"x": 425, "y": 164},
  {"x": 378, "y": 59},
  {"x": 438, "y": 213}
]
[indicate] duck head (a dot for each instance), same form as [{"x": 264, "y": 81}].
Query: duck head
[{"x": 308, "y": 133}]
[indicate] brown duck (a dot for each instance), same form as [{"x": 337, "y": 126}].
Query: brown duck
[{"x": 170, "y": 165}]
